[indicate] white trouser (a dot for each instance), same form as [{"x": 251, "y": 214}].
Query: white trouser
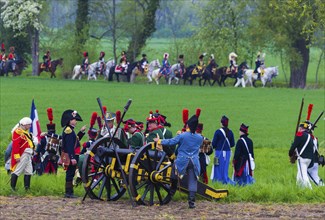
[
  {"x": 313, "y": 175},
  {"x": 240, "y": 81},
  {"x": 25, "y": 163},
  {"x": 302, "y": 175}
]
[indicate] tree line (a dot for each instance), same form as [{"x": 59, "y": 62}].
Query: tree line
[{"x": 288, "y": 28}]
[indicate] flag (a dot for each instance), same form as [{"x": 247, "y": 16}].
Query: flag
[{"x": 35, "y": 129}]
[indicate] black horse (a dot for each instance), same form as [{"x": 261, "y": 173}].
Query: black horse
[
  {"x": 52, "y": 67},
  {"x": 225, "y": 74},
  {"x": 128, "y": 72},
  {"x": 14, "y": 66}
]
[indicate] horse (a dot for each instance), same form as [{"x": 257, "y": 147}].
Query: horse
[
  {"x": 269, "y": 74},
  {"x": 188, "y": 74},
  {"x": 216, "y": 76},
  {"x": 175, "y": 73},
  {"x": 51, "y": 68},
  {"x": 130, "y": 71},
  {"x": 91, "y": 71},
  {"x": 108, "y": 66},
  {"x": 226, "y": 74},
  {"x": 152, "y": 71},
  {"x": 14, "y": 66}
]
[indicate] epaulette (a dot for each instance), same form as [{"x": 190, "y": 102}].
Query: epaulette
[{"x": 68, "y": 130}]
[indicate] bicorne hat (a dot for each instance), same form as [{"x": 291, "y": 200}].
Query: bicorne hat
[
  {"x": 69, "y": 115},
  {"x": 152, "y": 118},
  {"x": 144, "y": 55}
]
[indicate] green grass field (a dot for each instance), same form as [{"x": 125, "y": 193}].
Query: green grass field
[{"x": 271, "y": 114}]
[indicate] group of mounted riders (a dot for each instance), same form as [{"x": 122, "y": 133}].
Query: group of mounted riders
[{"x": 8, "y": 63}]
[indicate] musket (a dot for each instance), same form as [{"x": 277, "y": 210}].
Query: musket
[
  {"x": 299, "y": 116},
  {"x": 314, "y": 124}
]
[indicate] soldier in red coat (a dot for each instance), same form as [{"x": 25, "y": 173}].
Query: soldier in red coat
[{"x": 21, "y": 155}]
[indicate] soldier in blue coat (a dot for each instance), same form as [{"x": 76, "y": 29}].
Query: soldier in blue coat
[
  {"x": 222, "y": 142},
  {"x": 71, "y": 145},
  {"x": 187, "y": 161}
]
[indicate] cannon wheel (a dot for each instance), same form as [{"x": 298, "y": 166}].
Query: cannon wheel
[
  {"x": 97, "y": 182},
  {"x": 145, "y": 166}
]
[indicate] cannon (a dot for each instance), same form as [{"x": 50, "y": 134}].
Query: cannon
[{"x": 147, "y": 174}]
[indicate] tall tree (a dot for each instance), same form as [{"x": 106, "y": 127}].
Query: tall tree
[
  {"x": 23, "y": 18},
  {"x": 144, "y": 30},
  {"x": 82, "y": 25},
  {"x": 222, "y": 28},
  {"x": 290, "y": 25}
]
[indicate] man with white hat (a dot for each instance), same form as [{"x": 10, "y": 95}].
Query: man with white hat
[{"x": 21, "y": 155}]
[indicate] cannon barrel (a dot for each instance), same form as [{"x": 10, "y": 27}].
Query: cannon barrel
[{"x": 110, "y": 152}]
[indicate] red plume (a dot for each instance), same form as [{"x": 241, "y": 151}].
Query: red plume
[
  {"x": 104, "y": 110},
  {"x": 2, "y": 46},
  {"x": 310, "y": 108},
  {"x": 118, "y": 116},
  {"x": 185, "y": 115},
  {"x": 157, "y": 111},
  {"x": 50, "y": 114},
  {"x": 198, "y": 112},
  {"x": 99, "y": 122},
  {"x": 93, "y": 119}
]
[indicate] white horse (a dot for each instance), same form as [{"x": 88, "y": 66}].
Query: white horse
[
  {"x": 78, "y": 72},
  {"x": 109, "y": 64},
  {"x": 152, "y": 72},
  {"x": 175, "y": 68},
  {"x": 269, "y": 74}
]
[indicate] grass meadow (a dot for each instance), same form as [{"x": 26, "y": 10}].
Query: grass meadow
[{"x": 271, "y": 114}]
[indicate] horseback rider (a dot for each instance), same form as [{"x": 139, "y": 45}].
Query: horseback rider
[
  {"x": 181, "y": 62},
  {"x": 259, "y": 65},
  {"x": 101, "y": 61},
  {"x": 232, "y": 61},
  {"x": 165, "y": 69},
  {"x": 200, "y": 65},
  {"x": 47, "y": 60},
  {"x": 85, "y": 62},
  {"x": 11, "y": 60},
  {"x": 212, "y": 62},
  {"x": 121, "y": 68},
  {"x": 144, "y": 63}
]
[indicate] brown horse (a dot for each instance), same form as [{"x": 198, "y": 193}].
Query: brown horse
[
  {"x": 52, "y": 67},
  {"x": 8, "y": 66}
]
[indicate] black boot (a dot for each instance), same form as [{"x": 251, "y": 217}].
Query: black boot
[
  {"x": 191, "y": 200},
  {"x": 13, "y": 181},
  {"x": 27, "y": 182},
  {"x": 69, "y": 190},
  {"x": 172, "y": 191}
]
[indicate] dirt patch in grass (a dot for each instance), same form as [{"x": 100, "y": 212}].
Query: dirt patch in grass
[{"x": 60, "y": 208}]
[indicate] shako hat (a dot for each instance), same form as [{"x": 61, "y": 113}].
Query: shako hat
[
  {"x": 144, "y": 55},
  {"x": 50, "y": 126},
  {"x": 192, "y": 123},
  {"x": 152, "y": 118},
  {"x": 85, "y": 54},
  {"x": 181, "y": 56},
  {"x": 244, "y": 128},
  {"x": 128, "y": 124},
  {"x": 69, "y": 115}
]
